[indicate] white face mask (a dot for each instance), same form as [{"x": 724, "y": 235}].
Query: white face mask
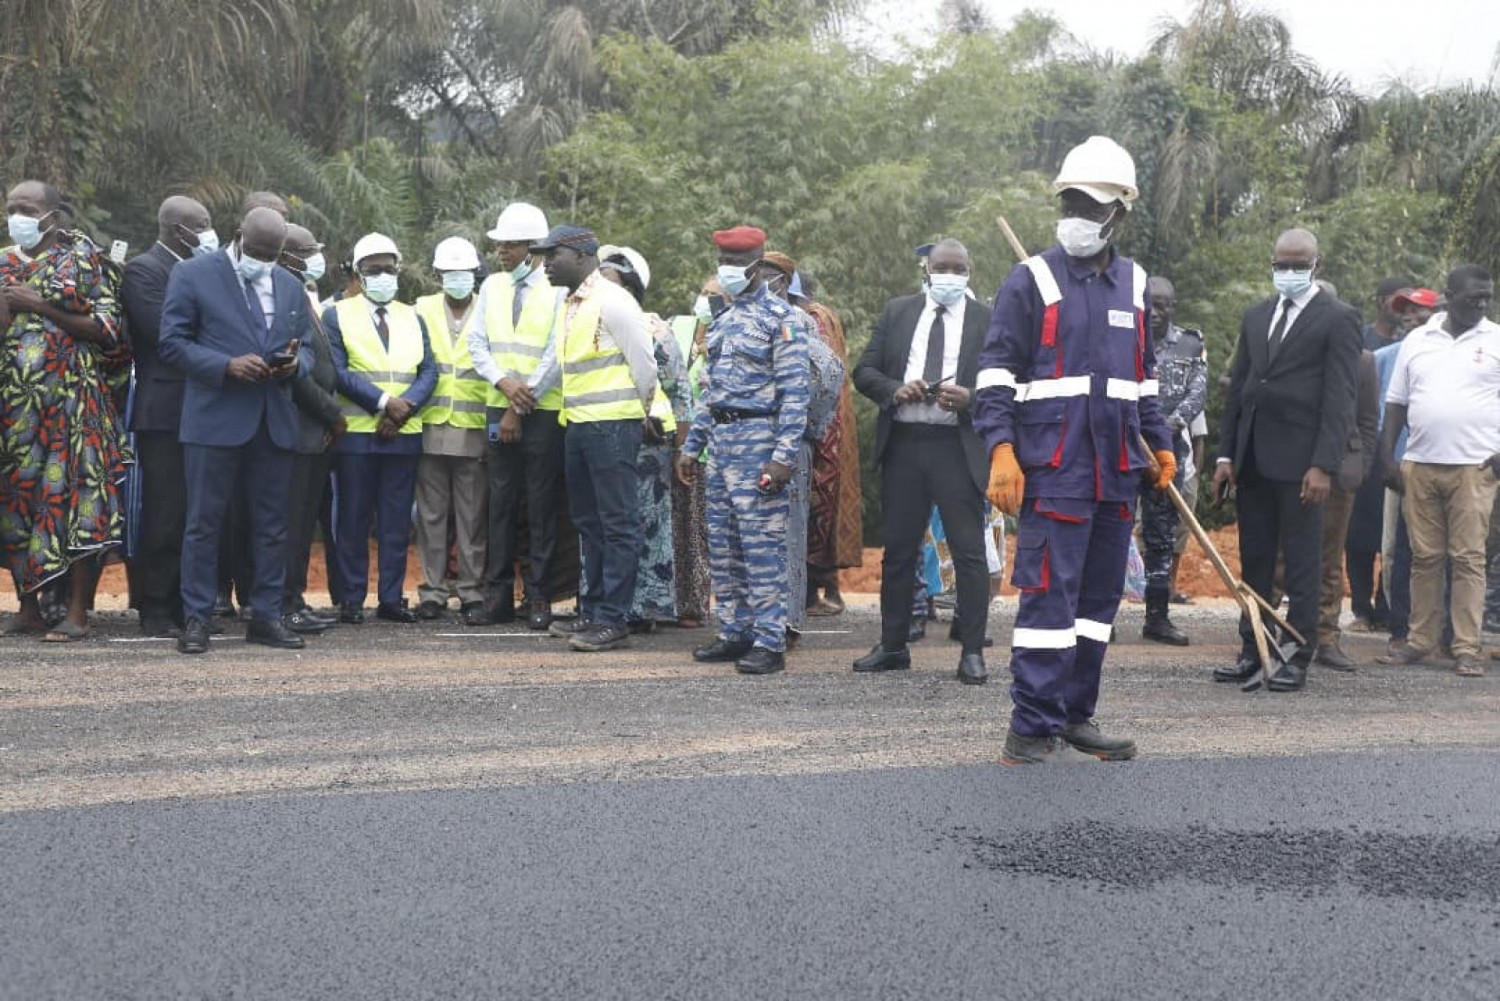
[
  {"x": 1082, "y": 237},
  {"x": 317, "y": 266},
  {"x": 947, "y": 289},
  {"x": 702, "y": 312},
  {"x": 458, "y": 285},
  {"x": 380, "y": 289},
  {"x": 252, "y": 269},
  {"x": 733, "y": 278},
  {"x": 1291, "y": 284},
  {"x": 208, "y": 242}
]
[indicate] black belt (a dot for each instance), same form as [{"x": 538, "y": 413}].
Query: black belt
[{"x": 731, "y": 415}]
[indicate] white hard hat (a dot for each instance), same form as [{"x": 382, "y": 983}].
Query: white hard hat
[
  {"x": 519, "y": 221},
  {"x": 374, "y": 243},
  {"x": 637, "y": 262},
  {"x": 1101, "y": 169},
  {"x": 455, "y": 254}
]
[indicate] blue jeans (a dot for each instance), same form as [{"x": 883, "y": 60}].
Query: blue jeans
[{"x": 600, "y": 464}]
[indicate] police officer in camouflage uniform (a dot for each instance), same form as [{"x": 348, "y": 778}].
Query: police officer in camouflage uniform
[
  {"x": 1182, "y": 372},
  {"x": 752, "y": 420}
]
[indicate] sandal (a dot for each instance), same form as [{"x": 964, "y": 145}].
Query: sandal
[
  {"x": 66, "y": 632},
  {"x": 1469, "y": 667}
]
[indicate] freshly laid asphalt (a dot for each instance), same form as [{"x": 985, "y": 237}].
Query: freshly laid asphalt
[
  {"x": 1339, "y": 876},
  {"x": 439, "y": 813}
]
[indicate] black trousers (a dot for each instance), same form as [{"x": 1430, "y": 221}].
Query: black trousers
[
  {"x": 158, "y": 561},
  {"x": 532, "y": 466},
  {"x": 1272, "y": 519},
  {"x": 924, "y": 464},
  {"x": 304, "y": 505}
]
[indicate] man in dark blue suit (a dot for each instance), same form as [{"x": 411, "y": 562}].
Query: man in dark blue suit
[
  {"x": 183, "y": 230},
  {"x": 238, "y": 327}
]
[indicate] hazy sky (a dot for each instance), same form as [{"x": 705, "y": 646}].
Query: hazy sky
[{"x": 1371, "y": 42}]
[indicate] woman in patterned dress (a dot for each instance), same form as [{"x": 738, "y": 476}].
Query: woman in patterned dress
[{"x": 62, "y": 452}]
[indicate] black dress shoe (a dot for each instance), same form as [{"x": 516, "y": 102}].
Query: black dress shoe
[
  {"x": 540, "y": 616},
  {"x": 272, "y": 633},
  {"x": 351, "y": 613},
  {"x": 1243, "y": 670},
  {"x": 971, "y": 669},
  {"x": 760, "y": 661},
  {"x": 395, "y": 613},
  {"x": 1290, "y": 677},
  {"x": 314, "y": 616},
  {"x": 953, "y": 635},
  {"x": 881, "y": 659},
  {"x": 722, "y": 651},
  {"x": 300, "y": 622},
  {"x": 194, "y": 638},
  {"x": 917, "y": 631},
  {"x": 431, "y": 611},
  {"x": 474, "y": 614},
  {"x": 500, "y": 612}
]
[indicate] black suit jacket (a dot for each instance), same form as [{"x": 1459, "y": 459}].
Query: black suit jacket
[
  {"x": 158, "y": 386},
  {"x": 882, "y": 370},
  {"x": 315, "y": 392},
  {"x": 1297, "y": 411}
]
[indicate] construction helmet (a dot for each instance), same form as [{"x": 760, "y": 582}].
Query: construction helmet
[
  {"x": 637, "y": 262},
  {"x": 1101, "y": 169},
  {"x": 374, "y": 243},
  {"x": 519, "y": 222},
  {"x": 455, "y": 254}
]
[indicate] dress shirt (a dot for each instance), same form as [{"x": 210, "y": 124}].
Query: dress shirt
[
  {"x": 546, "y": 373},
  {"x": 1297, "y": 305},
  {"x": 916, "y": 361}
]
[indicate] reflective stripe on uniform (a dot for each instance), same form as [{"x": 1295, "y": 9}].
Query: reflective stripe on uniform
[
  {"x": 1122, "y": 389},
  {"x": 995, "y": 378},
  {"x": 1046, "y": 281},
  {"x": 1044, "y": 639},
  {"x": 596, "y": 364},
  {"x": 518, "y": 348},
  {"x": 602, "y": 396},
  {"x": 1139, "y": 287},
  {"x": 1151, "y": 387},
  {"x": 1053, "y": 389},
  {"x": 1090, "y": 629}
]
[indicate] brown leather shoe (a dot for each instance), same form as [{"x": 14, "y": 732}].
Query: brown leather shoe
[{"x": 1331, "y": 655}]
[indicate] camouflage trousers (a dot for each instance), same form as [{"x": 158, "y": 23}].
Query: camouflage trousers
[{"x": 747, "y": 552}]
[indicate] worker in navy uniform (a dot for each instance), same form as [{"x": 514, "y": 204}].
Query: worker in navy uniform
[
  {"x": 1066, "y": 387},
  {"x": 754, "y": 415},
  {"x": 1182, "y": 372},
  {"x": 386, "y": 374}
]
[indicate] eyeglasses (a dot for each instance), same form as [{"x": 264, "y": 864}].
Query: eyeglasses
[{"x": 1293, "y": 265}]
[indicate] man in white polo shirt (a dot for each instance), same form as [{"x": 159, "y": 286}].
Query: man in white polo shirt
[{"x": 1446, "y": 389}]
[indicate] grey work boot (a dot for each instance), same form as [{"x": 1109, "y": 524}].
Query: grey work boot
[
  {"x": 1087, "y": 738},
  {"x": 1023, "y": 750}
]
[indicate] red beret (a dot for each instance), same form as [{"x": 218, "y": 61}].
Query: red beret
[{"x": 740, "y": 238}]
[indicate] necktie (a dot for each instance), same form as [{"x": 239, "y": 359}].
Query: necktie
[
  {"x": 381, "y": 328},
  {"x": 515, "y": 304},
  {"x": 932, "y": 370},
  {"x": 1278, "y": 332},
  {"x": 252, "y": 299}
]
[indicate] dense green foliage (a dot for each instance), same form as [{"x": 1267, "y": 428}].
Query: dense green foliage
[{"x": 658, "y": 121}]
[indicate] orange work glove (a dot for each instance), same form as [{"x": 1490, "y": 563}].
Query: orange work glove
[
  {"x": 1166, "y": 467},
  {"x": 1007, "y": 483}
]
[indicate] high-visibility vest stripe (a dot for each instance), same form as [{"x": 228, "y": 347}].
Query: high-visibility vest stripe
[
  {"x": 596, "y": 382},
  {"x": 390, "y": 370},
  {"x": 519, "y": 347},
  {"x": 460, "y": 396}
]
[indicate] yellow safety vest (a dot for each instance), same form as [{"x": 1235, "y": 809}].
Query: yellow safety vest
[
  {"x": 460, "y": 396},
  {"x": 596, "y": 383},
  {"x": 519, "y": 347},
  {"x": 390, "y": 371}
]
